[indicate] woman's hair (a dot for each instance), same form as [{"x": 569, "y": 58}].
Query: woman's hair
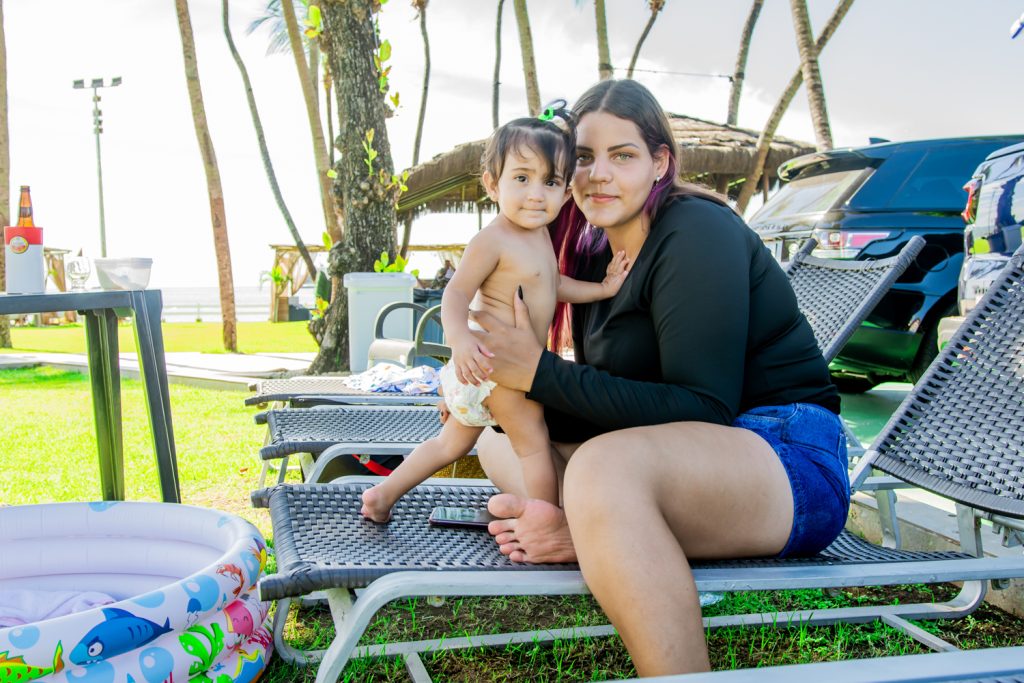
[
  {"x": 554, "y": 143},
  {"x": 575, "y": 240}
]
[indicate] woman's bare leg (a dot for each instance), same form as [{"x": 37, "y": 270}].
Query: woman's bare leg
[
  {"x": 454, "y": 441},
  {"x": 683, "y": 490},
  {"x": 523, "y": 423}
]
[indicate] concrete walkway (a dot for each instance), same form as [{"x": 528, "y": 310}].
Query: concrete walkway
[{"x": 209, "y": 370}]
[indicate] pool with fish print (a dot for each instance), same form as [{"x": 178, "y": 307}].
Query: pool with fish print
[{"x": 183, "y": 579}]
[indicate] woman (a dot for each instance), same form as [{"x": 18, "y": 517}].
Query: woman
[{"x": 699, "y": 421}]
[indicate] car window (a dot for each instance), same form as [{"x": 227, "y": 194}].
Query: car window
[
  {"x": 935, "y": 183},
  {"x": 807, "y": 194}
]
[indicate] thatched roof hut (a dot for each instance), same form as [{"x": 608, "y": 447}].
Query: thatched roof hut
[{"x": 714, "y": 154}]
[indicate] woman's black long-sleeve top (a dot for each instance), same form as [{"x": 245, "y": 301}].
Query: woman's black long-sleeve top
[{"x": 705, "y": 327}]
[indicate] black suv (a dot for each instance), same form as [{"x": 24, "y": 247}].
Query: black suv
[{"x": 866, "y": 203}]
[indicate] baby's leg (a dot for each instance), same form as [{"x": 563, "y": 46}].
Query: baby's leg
[
  {"x": 523, "y": 422},
  {"x": 454, "y": 441}
]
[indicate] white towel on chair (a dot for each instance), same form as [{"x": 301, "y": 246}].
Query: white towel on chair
[{"x": 24, "y": 606}]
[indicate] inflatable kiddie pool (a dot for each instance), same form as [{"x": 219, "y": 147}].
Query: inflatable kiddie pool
[{"x": 183, "y": 578}]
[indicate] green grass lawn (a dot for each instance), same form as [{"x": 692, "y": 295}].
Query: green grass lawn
[
  {"x": 253, "y": 337},
  {"x": 47, "y": 444}
]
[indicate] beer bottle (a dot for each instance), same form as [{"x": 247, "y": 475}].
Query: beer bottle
[{"x": 25, "y": 209}]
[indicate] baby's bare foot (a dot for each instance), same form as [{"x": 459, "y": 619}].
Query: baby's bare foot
[
  {"x": 530, "y": 530},
  {"x": 376, "y": 506}
]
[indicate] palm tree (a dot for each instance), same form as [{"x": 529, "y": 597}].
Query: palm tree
[
  {"x": 364, "y": 179},
  {"x": 812, "y": 75},
  {"x": 213, "y": 186},
  {"x": 764, "y": 141},
  {"x": 421, "y": 7},
  {"x": 264, "y": 152},
  {"x": 656, "y": 6},
  {"x": 604, "y": 58},
  {"x": 741, "y": 63},
  {"x": 529, "y": 63},
  {"x": 5, "y": 171},
  {"x": 497, "y": 66},
  {"x": 320, "y": 157}
]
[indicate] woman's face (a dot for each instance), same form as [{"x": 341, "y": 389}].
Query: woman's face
[{"x": 614, "y": 171}]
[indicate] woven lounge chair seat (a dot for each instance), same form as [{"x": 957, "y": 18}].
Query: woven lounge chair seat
[{"x": 314, "y": 430}]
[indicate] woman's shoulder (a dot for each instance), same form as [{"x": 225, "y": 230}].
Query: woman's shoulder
[
  {"x": 688, "y": 206},
  {"x": 695, "y": 217}
]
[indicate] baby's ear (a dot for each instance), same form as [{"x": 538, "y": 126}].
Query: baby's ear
[{"x": 490, "y": 185}]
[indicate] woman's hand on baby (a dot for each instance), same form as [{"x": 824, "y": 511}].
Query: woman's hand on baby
[
  {"x": 443, "y": 412},
  {"x": 516, "y": 349},
  {"x": 471, "y": 360},
  {"x": 616, "y": 273}
]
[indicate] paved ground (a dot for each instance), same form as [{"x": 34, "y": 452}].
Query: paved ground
[{"x": 211, "y": 370}]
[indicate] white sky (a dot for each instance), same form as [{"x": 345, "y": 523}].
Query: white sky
[{"x": 898, "y": 69}]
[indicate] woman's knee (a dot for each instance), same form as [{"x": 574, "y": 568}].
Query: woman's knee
[{"x": 601, "y": 470}]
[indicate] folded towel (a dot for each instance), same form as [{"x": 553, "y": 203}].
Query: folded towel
[
  {"x": 389, "y": 378},
  {"x": 26, "y": 606}
]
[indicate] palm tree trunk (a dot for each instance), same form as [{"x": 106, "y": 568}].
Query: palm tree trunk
[
  {"x": 328, "y": 92},
  {"x": 741, "y": 63},
  {"x": 313, "y": 115},
  {"x": 213, "y": 186},
  {"x": 5, "y": 172},
  {"x": 426, "y": 84},
  {"x": 349, "y": 41},
  {"x": 764, "y": 141},
  {"x": 656, "y": 7},
  {"x": 497, "y": 66},
  {"x": 604, "y": 57},
  {"x": 811, "y": 72},
  {"x": 407, "y": 223},
  {"x": 529, "y": 64},
  {"x": 264, "y": 152}
]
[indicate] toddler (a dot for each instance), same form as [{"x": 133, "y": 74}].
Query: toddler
[{"x": 527, "y": 166}]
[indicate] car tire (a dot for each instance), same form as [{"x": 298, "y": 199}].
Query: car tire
[
  {"x": 852, "y": 384},
  {"x": 929, "y": 346}
]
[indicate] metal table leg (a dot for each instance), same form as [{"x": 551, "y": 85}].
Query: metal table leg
[
  {"x": 150, "y": 344},
  {"x": 105, "y": 375}
]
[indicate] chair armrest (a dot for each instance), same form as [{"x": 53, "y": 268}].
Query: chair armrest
[
  {"x": 378, "y": 326},
  {"x": 425, "y": 348}
]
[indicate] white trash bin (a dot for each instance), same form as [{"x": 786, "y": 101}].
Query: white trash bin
[{"x": 367, "y": 294}]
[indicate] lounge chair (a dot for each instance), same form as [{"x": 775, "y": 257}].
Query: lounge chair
[
  {"x": 994, "y": 665},
  {"x": 322, "y": 543},
  {"x": 310, "y": 391}
]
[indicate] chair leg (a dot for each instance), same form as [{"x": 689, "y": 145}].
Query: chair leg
[
  {"x": 886, "y": 501},
  {"x": 285, "y": 651},
  {"x": 965, "y": 602}
]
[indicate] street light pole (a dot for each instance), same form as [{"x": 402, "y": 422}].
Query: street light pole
[{"x": 97, "y": 128}]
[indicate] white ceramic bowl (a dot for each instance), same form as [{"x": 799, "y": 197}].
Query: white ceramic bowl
[{"x": 123, "y": 273}]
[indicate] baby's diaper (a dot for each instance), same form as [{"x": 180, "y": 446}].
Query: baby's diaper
[{"x": 465, "y": 401}]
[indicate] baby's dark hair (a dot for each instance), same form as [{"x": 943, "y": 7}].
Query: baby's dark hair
[{"x": 554, "y": 143}]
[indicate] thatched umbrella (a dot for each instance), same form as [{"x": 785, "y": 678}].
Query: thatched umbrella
[{"x": 714, "y": 154}]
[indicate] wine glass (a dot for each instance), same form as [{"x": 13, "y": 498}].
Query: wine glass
[{"x": 78, "y": 269}]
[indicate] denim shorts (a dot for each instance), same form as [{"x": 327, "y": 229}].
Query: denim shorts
[{"x": 810, "y": 442}]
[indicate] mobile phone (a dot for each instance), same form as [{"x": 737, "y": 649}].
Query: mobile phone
[{"x": 462, "y": 518}]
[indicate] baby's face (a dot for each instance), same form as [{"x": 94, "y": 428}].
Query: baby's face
[{"x": 525, "y": 194}]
